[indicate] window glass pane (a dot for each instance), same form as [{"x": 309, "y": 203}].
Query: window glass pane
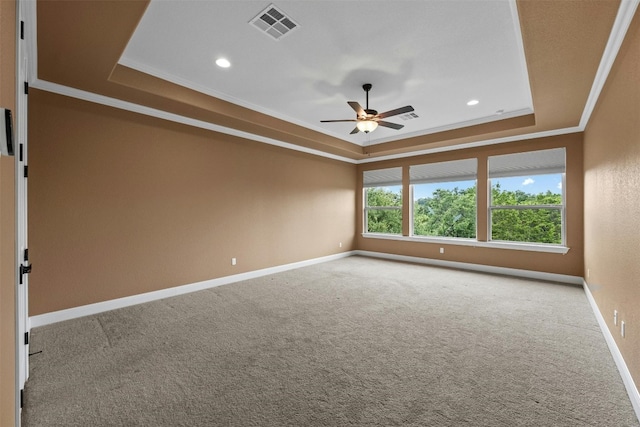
[
  {"x": 527, "y": 190},
  {"x": 445, "y": 209},
  {"x": 527, "y": 225},
  {"x": 389, "y": 219}
]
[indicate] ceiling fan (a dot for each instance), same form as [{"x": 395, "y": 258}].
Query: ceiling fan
[{"x": 368, "y": 120}]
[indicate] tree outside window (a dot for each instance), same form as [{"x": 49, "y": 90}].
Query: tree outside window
[{"x": 384, "y": 210}]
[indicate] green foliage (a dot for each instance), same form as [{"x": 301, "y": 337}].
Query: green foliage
[
  {"x": 528, "y": 225},
  {"x": 384, "y": 196},
  {"x": 519, "y": 197},
  {"x": 384, "y": 220},
  {"x": 452, "y": 213},
  {"x": 449, "y": 213}
]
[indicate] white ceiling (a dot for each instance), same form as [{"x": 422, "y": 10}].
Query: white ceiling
[{"x": 434, "y": 55}]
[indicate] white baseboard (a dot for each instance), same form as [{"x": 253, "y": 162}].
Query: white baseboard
[
  {"x": 627, "y": 379},
  {"x": 527, "y": 274},
  {"x": 86, "y": 310},
  {"x": 100, "y": 307}
]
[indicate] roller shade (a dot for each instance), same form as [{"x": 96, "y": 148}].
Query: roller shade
[
  {"x": 530, "y": 163},
  {"x": 456, "y": 170},
  {"x": 382, "y": 177}
]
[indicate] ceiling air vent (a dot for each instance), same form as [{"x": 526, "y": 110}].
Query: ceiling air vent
[
  {"x": 274, "y": 22},
  {"x": 409, "y": 116}
]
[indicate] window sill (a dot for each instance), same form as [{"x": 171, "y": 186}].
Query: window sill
[{"x": 531, "y": 247}]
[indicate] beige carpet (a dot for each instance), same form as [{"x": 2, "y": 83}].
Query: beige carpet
[{"x": 353, "y": 342}]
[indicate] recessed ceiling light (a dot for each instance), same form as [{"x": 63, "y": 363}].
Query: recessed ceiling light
[
  {"x": 223, "y": 63},
  {"x": 473, "y": 102}
]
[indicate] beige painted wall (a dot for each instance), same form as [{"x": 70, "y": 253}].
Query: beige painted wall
[
  {"x": 7, "y": 222},
  {"x": 570, "y": 263},
  {"x": 121, "y": 204},
  {"x": 612, "y": 199}
]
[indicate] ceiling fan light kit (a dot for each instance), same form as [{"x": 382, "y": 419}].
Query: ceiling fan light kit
[
  {"x": 367, "y": 126},
  {"x": 368, "y": 120}
]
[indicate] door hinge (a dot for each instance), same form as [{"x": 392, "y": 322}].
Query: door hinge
[
  {"x": 24, "y": 269},
  {"x": 26, "y": 88},
  {"x": 21, "y": 398},
  {"x": 26, "y": 338},
  {"x": 20, "y": 150},
  {"x": 22, "y": 30},
  {"x": 26, "y": 255},
  {"x": 26, "y": 171}
]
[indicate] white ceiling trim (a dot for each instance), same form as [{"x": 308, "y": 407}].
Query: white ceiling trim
[
  {"x": 518, "y": 37},
  {"x": 625, "y": 14},
  {"x": 142, "y": 42},
  {"x": 136, "y": 108},
  {"x": 458, "y": 125},
  {"x": 626, "y": 11},
  {"x": 515, "y": 138},
  {"x": 127, "y": 62},
  {"x": 140, "y": 109}
]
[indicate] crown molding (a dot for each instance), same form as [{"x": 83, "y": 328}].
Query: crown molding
[
  {"x": 153, "y": 112},
  {"x": 621, "y": 24},
  {"x": 626, "y": 11}
]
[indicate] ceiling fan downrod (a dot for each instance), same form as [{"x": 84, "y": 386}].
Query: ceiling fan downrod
[{"x": 367, "y": 87}]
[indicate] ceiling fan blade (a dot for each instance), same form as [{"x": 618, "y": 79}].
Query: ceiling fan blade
[
  {"x": 390, "y": 125},
  {"x": 334, "y": 121},
  {"x": 395, "y": 112},
  {"x": 357, "y": 108},
  {"x": 355, "y": 130}
]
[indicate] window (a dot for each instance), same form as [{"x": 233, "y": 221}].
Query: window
[
  {"x": 383, "y": 201},
  {"x": 444, "y": 199},
  {"x": 527, "y": 197}
]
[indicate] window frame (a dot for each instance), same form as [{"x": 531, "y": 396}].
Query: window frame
[
  {"x": 562, "y": 208},
  {"x": 408, "y": 208},
  {"x": 365, "y": 220},
  {"x": 425, "y": 236},
  {"x": 461, "y": 178},
  {"x": 381, "y": 178}
]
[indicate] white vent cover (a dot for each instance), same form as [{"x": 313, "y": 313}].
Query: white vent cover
[
  {"x": 409, "y": 116},
  {"x": 274, "y": 22}
]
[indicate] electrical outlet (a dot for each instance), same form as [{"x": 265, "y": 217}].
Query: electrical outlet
[
  {"x": 340, "y": 244},
  {"x": 233, "y": 261},
  {"x": 615, "y": 317},
  {"x": 588, "y": 272},
  {"x": 622, "y": 328},
  {"x": 441, "y": 250}
]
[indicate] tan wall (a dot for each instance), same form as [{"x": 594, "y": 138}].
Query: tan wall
[
  {"x": 612, "y": 199},
  {"x": 570, "y": 263},
  {"x": 7, "y": 222},
  {"x": 121, "y": 204}
]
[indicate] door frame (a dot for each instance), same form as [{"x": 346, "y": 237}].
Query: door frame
[{"x": 25, "y": 40}]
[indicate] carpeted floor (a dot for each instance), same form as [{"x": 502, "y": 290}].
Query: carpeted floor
[{"x": 353, "y": 342}]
